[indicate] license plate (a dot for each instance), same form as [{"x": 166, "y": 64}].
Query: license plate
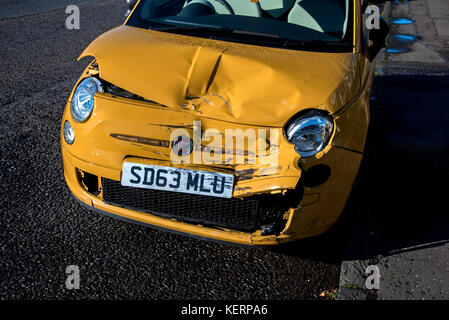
[{"x": 177, "y": 180}]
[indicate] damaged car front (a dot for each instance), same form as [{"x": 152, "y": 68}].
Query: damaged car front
[{"x": 238, "y": 121}]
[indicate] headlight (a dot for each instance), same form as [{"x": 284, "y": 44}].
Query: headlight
[
  {"x": 69, "y": 134},
  {"x": 310, "y": 133},
  {"x": 83, "y": 98}
]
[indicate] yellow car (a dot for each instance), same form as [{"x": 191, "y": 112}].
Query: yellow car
[{"x": 241, "y": 121}]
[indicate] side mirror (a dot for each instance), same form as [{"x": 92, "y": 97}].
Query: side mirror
[
  {"x": 131, "y": 4},
  {"x": 378, "y": 39}
]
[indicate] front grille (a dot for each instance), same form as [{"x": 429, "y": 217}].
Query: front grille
[{"x": 247, "y": 214}]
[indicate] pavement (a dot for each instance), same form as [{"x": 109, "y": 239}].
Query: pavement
[
  {"x": 43, "y": 230},
  {"x": 404, "y": 230}
]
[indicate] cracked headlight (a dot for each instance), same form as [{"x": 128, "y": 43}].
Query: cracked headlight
[
  {"x": 83, "y": 98},
  {"x": 310, "y": 133}
]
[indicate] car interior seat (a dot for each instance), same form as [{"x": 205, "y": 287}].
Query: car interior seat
[
  {"x": 237, "y": 7},
  {"x": 149, "y": 8},
  {"x": 276, "y": 8},
  {"x": 327, "y": 16},
  {"x": 310, "y": 14},
  {"x": 197, "y": 8}
]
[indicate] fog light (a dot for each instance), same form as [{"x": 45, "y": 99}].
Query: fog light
[{"x": 69, "y": 134}]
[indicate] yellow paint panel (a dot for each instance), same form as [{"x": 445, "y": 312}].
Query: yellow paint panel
[{"x": 247, "y": 84}]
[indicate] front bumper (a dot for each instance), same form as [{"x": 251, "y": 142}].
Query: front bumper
[
  {"x": 319, "y": 209},
  {"x": 72, "y": 164}
]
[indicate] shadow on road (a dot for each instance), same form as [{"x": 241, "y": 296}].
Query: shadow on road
[{"x": 399, "y": 202}]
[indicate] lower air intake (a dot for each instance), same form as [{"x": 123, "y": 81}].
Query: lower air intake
[{"x": 246, "y": 214}]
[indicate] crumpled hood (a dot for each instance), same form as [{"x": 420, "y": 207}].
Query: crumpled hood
[{"x": 224, "y": 80}]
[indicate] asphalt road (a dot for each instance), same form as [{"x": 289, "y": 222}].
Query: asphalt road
[{"x": 43, "y": 230}]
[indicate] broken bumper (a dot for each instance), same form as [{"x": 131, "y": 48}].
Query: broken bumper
[{"x": 319, "y": 209}]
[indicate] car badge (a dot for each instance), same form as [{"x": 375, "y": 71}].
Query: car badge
[{"x": 182, "y": 145}]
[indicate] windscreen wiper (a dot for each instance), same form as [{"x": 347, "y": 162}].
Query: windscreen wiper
[
  {"x": 174, "y": 25},
  {"x": 169, "y": 25},
  {"x": 314, "y": 43}
]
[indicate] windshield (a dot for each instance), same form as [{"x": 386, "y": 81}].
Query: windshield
[{"x": 285, "y": 23}]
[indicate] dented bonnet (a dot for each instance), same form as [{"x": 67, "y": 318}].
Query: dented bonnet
[{"x": 224, "y": 80}]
